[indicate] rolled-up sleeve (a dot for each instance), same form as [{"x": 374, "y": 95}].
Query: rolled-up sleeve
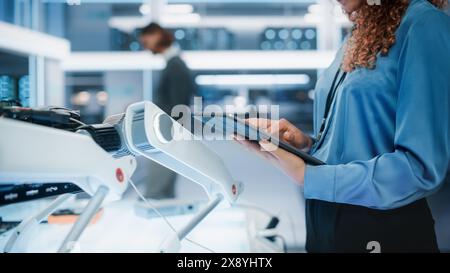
[{"x": 418, "y": 164}]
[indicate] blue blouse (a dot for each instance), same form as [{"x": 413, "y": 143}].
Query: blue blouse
[{"x": 387, "y": 139}]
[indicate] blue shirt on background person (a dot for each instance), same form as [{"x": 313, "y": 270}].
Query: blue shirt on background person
[{"x": 387, "y": 140}]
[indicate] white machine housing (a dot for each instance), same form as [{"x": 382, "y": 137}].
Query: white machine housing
[
  {"x": 180, "y": 153},
  {"x": 31, "y": 153}
]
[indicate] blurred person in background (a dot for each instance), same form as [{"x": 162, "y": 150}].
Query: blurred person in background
[
  {"x": 176, "y": 86},
  {"x": 176, "y": 83}
]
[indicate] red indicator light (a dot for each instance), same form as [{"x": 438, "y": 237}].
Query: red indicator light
[{"x": 119, "y": 175}]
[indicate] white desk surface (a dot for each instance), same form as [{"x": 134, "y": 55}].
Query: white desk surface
[{"x": 120, "y": 229}]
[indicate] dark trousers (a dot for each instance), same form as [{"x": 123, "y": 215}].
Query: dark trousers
[{"x": 333, "y": 227}]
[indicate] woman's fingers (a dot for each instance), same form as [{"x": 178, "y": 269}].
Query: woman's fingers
[
  {"x": 255, "y": 147},
  {"x": 273, "y": 127},
  {"x": 271, "y": 148},
  {"x": 292, "y": 165},
  {"x": 290, "y": 133},
  {"x": 288, "y": 136},
  {"x": 281, "y": 129}
]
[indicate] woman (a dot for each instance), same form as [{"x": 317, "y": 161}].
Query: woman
[{"x": 382, "y": 125}]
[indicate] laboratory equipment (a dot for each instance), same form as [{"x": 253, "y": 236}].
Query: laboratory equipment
[
  {"x": 12, "y": 193},
  {"x": 56, "y": 117},
  {"x": 31, "y": 153},
  {"x": 49, "y": 155}
]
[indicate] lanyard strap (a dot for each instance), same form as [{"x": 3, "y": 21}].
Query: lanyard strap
[{"x": 330, "y": 98}]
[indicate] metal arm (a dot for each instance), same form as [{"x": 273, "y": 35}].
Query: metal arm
[
  {"x": 84, "y": 219},
  {"x": 172, "y": 243},
  {"x": 34, "y": 220}
]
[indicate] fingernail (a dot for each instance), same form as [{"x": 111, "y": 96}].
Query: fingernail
[{"x": 287, "y": 136}]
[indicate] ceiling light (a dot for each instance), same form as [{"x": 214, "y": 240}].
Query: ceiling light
[
  {"x": 253, "y": 80},
  {"x": 145, "y": 9},
  {"x": 315, "y": 8},
  {"x": 179, "y": 9}
]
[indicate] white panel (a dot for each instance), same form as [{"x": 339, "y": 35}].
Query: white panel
[
  {"x": 28, "y": 42},
  {"x": 201, "y": 60}
]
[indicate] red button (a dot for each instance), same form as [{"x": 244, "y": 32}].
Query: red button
[{"x": 119, "y": 175}]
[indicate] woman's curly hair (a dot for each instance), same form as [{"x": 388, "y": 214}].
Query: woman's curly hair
[{"x": 374, "y": 32}]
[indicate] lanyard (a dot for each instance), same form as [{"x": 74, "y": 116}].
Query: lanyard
[{"x": 330, "y": 98}]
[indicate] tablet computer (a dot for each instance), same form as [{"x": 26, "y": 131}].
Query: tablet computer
[{"x": 231, "y": 124}]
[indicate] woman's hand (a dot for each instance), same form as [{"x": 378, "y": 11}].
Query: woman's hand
[
  {"x": 291, "y": 164},
  {"x": 284, "y": 130}
]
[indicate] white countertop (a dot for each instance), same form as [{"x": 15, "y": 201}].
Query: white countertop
[{"x": 120, "y": 229}]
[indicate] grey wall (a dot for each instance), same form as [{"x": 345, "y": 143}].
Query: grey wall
[
  {"x": 124, "y": 88},
  {"x": 87, "y": 27},
  {"x": 54, "y": 83}
]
